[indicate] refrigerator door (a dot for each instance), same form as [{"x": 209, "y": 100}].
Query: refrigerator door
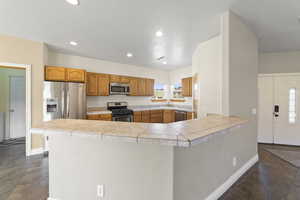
[
  {"x": 53, "y": 94},
  {"x": 75, "y": 101}
]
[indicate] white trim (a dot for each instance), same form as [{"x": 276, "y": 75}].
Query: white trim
[
  {"x": 28, "y": 101},
  {"x": 232, "y": 179},
  {"x": 49, "y": 198},
  {"x": 37, "y": 151},
  {"x": 278, "y": 74}
]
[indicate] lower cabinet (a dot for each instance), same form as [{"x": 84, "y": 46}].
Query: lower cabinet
[
  {"x": 137, "y": 116},
  {"x": 169, "y": 116},
  {"x": 102, "y": 117},
  {"x": 146, "y": 116},
  {"x": 189, "y": 115},
  {"x": 156, "y": 116}
]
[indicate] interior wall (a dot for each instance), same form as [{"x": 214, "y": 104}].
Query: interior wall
[
  {"x": 207, "y": 67},
  {"x": 240, "y": 70},
  {"x": 21, "y": 51},
  {"x": 279, "y": 62},
  {"x": 5, "y": 74},
  {"x": 100, "y": 66}
]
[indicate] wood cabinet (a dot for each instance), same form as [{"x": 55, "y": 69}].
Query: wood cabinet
[
  {"x": 55, "y": 73},
  {"x": 149, "y": 87},
  {"x": 92, "y": 84},
  {"x": 133, "y": 87},
  {"x": 146, "y": 116},
  {"x": 103, "y": 85},
  {"x": 141, "y": 87},
  {"x": 156, "y": 116},
  {"x": 102, "y": 117},
  {"x": 75, "y": 75},
  {"x": 137, "y": 116},
  {"x": 97, "y": 84},
  {"x": 187, "y": 87},
  {"x": 118, "y": 79},
  {"x": 169, "y": 116},
  {"x": 189, "y": 115}
]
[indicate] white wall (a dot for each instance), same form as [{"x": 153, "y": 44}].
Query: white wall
[
  {"x": 176, "y": 75},
  {"x": 100, "y": 66},
  {"x": 207, "y": 66},
  {"x": 280, "y": 62}
]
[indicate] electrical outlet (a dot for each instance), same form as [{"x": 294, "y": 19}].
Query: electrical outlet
[
  {"x": 234, "y": 161},
  {"x": 100, "y": 191}
]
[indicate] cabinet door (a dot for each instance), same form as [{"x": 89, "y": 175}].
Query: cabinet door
[
  {"x": 55, "y": 73},
  {"x": 149, "y": 87},
  {"x": 190, "y": 86},
  {"x": 133, "y": 87},
  {"x": 92, "y": 84},
  {"x": 103, "y": 85},
  {"x": 75, "y": 75},
  {"x": 141, "y": 87},
  {"x": 169, "y": 116},
  {"x": 156, "y": 116},
  {"x": 189, "y": 115},
  {"x": 137, "y": 116},
  {"x": 185, "y": 87},
  {"x": 146, "y": 116},
  {"x": 105, "y": 117},
  {"x": 115, "y": 79},
  {"x": 124, "y": 79}
]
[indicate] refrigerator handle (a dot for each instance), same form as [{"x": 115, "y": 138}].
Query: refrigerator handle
[
  {"x": 68, "y": 103},
  {"x": 63, "y": 103}
]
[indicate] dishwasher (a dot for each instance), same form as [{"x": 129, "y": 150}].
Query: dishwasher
[{"x": 180, "y": 116}]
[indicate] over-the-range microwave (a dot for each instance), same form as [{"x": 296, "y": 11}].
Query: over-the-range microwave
[{"x": 119, "y": 89}]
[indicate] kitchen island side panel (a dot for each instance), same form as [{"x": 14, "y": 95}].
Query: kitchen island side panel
[{"x": 128, "y": 171}]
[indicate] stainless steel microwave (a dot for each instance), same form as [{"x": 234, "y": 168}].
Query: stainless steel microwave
[{"x": 119, "y": 89}]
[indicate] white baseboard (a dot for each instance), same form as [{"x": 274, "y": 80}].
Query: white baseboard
[
  {"x": 232, "y": 179},
  {"x": 49, "y": 198},
  {"x": 36, "y": 151}
]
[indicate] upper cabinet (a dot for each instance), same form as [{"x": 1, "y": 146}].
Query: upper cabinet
[
  {"x": 103, "y": 85},
  {"x": 97, "y": 84},
  {"x": 92, "y": 84},
  {"x": 53, "y": 73},
  {"x": 75, "y": 75},
  {"x": 187, "y": 87}
]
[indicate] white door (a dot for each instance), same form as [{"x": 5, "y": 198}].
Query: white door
[
  {"x": 287, "y": 99},
  {"x": 17, "y": 107},
  {"x": 265, "y": 109}
]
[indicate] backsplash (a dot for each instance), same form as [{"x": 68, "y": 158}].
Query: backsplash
[{"x": 132, "y": 101}]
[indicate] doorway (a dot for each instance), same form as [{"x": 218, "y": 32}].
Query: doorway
[
  {"x": 278, "y": 115},
  {"x": 17, "y": 107},
  {"x": 15, "y": 104}
]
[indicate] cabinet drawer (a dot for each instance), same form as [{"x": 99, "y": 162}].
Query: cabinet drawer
[{"x": 92, "y": 117}]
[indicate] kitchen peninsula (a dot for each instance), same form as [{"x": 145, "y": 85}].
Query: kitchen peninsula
[{"x": 139, "y": 161}]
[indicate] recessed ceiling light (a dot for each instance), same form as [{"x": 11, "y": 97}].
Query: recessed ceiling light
[
  {"x": 159, "y": 33},
  {"x": 73, "y": 2},
  {"x": 165, "y": 62},
  {"x": 129, "y": 55},
  {"x": 73, "y": 43}
]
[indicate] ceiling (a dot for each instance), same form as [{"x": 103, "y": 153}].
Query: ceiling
[{"x": 107, "y": 30}]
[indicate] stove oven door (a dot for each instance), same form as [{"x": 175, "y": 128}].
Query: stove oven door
[{"x": 123, "y": 118}]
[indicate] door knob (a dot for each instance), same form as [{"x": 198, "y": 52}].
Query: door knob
[{"x": 11, "y": 110}]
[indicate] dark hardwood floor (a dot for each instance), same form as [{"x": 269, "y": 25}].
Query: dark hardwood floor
[
  {"x": 270, "y": 179},
  {"x": 21, "y": 178}
]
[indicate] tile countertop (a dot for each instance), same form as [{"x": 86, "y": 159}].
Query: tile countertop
[
  {"x": 103, "y": 110},
  {"x": 182, "y": 134}
]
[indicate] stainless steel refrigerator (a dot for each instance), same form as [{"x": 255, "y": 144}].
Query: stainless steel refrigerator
[{"x": 63, "y": 100}]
